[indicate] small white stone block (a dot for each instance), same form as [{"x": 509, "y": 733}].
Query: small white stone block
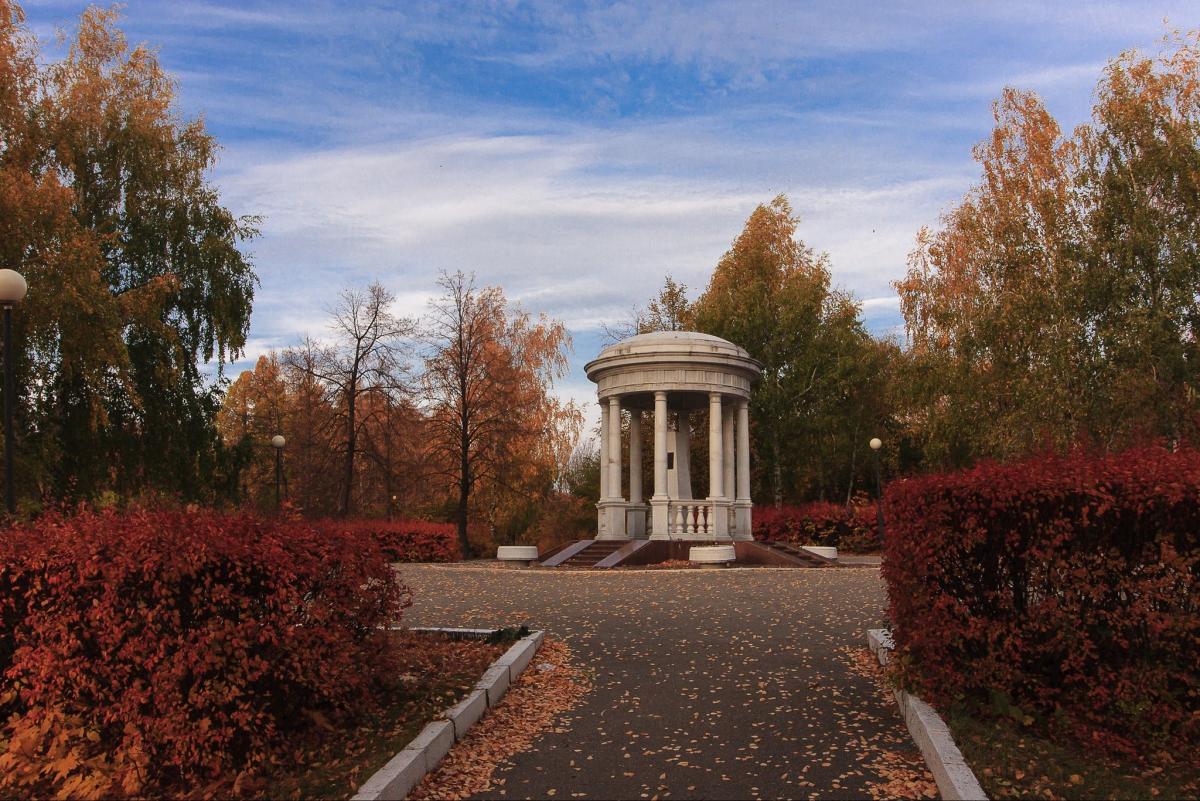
[
  {"x": 826, "y": 551},
  {"x": 435, "y": 740},
  {"x": 880, "y": 643},
  {"x": 711, "y": 554},
  {"x": 880, "y": 638},
  {"x": 394, "y": 780},
  {"x": 517, "y": 553},
  {"x": 464, "y": 714},
  {"x": 494, "y": 683},
  {"x": 517, "y": 657},
  {"x": 537, "y": 636}
]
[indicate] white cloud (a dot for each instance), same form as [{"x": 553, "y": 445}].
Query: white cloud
[
  {"x": 577, "y": 223},
  {"x": 1079, "y": 78},
  {"x": 582, "y": 177}
]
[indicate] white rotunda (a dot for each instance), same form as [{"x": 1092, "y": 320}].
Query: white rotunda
[{"x": 673, "y": 374}]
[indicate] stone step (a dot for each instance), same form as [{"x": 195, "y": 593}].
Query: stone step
[
  {"x": 800, "y": 553},
  {"x": 595, "y": 553}
]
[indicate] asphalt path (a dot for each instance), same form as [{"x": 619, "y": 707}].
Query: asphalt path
[{"x": 711, "y": 684}]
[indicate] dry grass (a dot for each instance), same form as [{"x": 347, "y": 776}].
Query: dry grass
[
  {"x": 334, "y": 758},
  {"x": 1014, "y": 760}
]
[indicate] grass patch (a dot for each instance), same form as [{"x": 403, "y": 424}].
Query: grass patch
[
  {"x": 334, "y": 759},
  {"x": 1014, "y": 760}
]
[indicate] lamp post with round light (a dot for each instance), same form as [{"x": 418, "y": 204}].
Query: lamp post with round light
[
  {"x": 876, "y": 444},
  {"x": 278, "y": 442},
  {"x": 12, "y": 292}
]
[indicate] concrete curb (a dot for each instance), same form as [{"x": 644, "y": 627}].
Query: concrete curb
[
  {"x": 466, "y": 712},
  {"x": 955, "y": 780},
  {"x": 405, "y": 770},
  {"x": 518, "y": 657},
  {"x": 465, "y": 634},
  {"x": 494, "y": 683}
]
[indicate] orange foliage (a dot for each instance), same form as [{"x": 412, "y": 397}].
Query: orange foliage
[
  {"x": 1058, "y": 302},
  {"x": 105, "y": 208},
  {"x": 498, "y": 436}
]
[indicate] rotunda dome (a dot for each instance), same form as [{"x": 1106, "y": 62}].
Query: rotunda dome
[
  {"x": 687, "y": 363},
  {"x": 661, "y": 342}
]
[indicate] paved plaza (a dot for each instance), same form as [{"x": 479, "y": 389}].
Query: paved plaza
[{"x": 716, "y": 684}]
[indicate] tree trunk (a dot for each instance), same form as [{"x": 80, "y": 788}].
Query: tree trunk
[
  {"x": 351, "y": 444},
  {"x": 853, "y": 461},
  {"x": 776, "y": 473},
  {"x": 388, "y": 489},
  {"x": 464, "y": 476},
  {"x": 464, "y": 495}
]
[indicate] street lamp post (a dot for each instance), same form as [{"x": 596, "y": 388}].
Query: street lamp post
[
  {"x": 278, "y": 442},
  {"x": 12, "y": 292},
  {"x": 876, "y": 444}
]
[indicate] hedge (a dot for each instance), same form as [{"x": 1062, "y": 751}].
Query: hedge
[
  {"x": 153, "y": 650},
  {"x": 404, "y": 540},
  {"x": 853, "y": 530},
  {"x": 1061, "y": 587}
]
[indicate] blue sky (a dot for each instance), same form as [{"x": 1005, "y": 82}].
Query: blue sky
[{"x": 575, "y": 153}]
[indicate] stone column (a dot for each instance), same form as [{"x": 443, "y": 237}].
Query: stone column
[
  {"x": 635, "y": 456},
  {"x": 660, "y": 444},
  {"x": 742, "y": 503},
  {"x": 659, "y": 503},
  {"x": 614, "y": 448},
  {"x": 616, "y": 501},
  {"x": 603, "y": 450},
  {"x": 637, "y": 516},
  {"x": 679, "y": 480},
  {"x": 716, "y": 467},
  {"x": 729, "y": 418}
]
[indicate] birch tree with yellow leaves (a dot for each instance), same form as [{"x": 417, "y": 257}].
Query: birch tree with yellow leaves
[
  {"x": 1059, "y": 302},
  {"x": 133, "y": 264}
]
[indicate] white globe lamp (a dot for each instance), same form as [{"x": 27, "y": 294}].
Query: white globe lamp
[{"x": 12, "y": 287}]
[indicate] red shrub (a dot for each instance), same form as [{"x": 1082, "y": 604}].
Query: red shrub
[
  {"x": 405, "y": 540},
  {"x": 853, "y": 530},
  {"x": 153, "y": 648},
  {"x": 1066, "y": 585}
]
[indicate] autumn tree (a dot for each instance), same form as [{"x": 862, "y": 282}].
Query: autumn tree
[
  {"x": 988, "y": 297},
  {"x": 669, "y": 310},
  {"x": 1058, "y": 303},
  {"x": 501, "y": 436},
  {"x": 312, "y": 429},
  {"x": 772, "y": 295},
  {"x": 582, "y": 475},
  {"x": 255, "y": 409},
  {"x": 360, "y": 372},
  {"x": 291, "y": 399},
  {"x": 133, "y": 264},
  {"x": 1141, "y": 169}
]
